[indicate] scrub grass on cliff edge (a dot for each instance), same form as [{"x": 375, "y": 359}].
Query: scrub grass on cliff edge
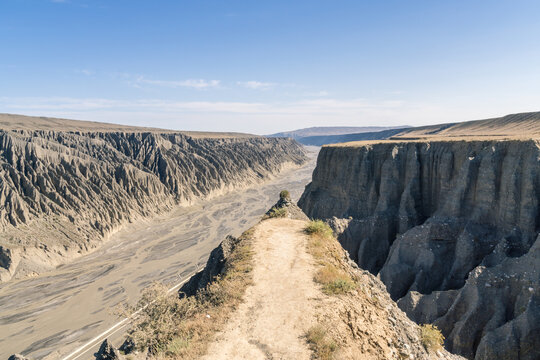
[
  {"x": 431, "y": 336},
  {"x": 322, "y": 346},
  {"x": 326, "y": 250},
  {"x": 334, "y": 279},
  {"x": 170, "y": 327},
  {"x": 276, "y": 213}
]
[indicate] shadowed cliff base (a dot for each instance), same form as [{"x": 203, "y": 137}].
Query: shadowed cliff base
[
  {"x": 451, "y": 228},
  {"x": 63, "y": 192}
]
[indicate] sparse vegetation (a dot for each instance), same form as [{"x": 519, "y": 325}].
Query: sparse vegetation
[
  {"x": 333, "y": 280},
  {"x": 322, "y": 346},
  {"x": 182, "y": 328},
  {"x": 277, "y": 213},
  {"x": 431, "y": 337},
  {"x": 327, "y": 251},
  {"x": 320, "y": 228},
  {"x": 176, "y": 345},
  {"x": 284, "y": 194}
]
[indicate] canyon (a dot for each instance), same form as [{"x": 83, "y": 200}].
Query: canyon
[
  {"x": 67, "y": 186},
  {"x": 50, "y": 315},
  {"x": 450, "y": 225},
  {"x": 440, "y": 226},
  {"x": 240, "y": 307}
]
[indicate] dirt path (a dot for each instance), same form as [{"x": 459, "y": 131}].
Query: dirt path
[{"x": 280, "y": 306}]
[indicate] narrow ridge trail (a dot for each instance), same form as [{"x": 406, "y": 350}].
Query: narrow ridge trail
[{"x": 279, "y": 307}]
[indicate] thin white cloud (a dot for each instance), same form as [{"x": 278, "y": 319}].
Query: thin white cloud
[
  {"x": 189, "y": 83},
  {"x": 256, "y": 85},
  {"x": 255, "y": 117},
  {"x": 91, "y": 104},
  {"x": 86, "y": 72},
  {"x": 302, "y": 107},
  {"x": 347, "y": 105},
  {"x": 318, "y": 94}
]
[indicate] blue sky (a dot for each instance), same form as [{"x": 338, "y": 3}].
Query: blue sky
[{"x": 267, "y": 66}]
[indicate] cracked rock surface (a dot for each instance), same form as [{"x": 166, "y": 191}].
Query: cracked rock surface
[
  {"x": 450, "y": 227},
  {"x": 63, "y": 192}
]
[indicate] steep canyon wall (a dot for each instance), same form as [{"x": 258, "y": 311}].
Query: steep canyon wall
[
  {"x": 63, "y": 192},
  {"x": 451, "y": 228}
]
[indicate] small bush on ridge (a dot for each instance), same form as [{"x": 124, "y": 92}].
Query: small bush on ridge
[
  {"x": 277, "y": 212},
  {"x": 334, "y": 280},
  {"x": 322, "y": 347},
  {"x": 284, "y": 194},
  {"x": 319, "y": 227},
  {"x": 431, "y": 336}
]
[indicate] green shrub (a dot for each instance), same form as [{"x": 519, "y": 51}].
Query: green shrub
[
  {"x": 177, "y": 344},
  {"x": 322, "y": 347},
  {"x": 339, "y": 286},
  {"x": 319, "y": 227},
  {"x": 334, "y": 280},
  {"x": 157, "y": 322},
  {"x": 431, "y": 336},
  {"x": 284, "y": 194},
  {"x": 277, "y": 212},
  {"x": 169, "y": 326}
]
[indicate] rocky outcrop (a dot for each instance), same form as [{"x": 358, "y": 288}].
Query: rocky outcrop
[
  {"x": 451, "y": 228},
  {"x": 107, "y": 352},
  {"x": 497, "y": 312},
  {"x": 285, "y": 207},
  {"x": 220, "y": 255},
  {"x": 62, "y": 193},
  {"x": 214, "y": 267},
  {"x": 17, "y": 357}
]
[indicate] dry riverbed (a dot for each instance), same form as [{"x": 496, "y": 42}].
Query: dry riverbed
[{"x": 49, "y": 316}]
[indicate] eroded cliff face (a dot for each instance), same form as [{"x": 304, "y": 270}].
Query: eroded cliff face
[
  {"x": 62, "y": 193},
  {"x": 451, "y": 228}
]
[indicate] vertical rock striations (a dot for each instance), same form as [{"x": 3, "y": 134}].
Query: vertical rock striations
[
  {"x": 451, "y": 228},
  {"x": 62, "y": 192}
]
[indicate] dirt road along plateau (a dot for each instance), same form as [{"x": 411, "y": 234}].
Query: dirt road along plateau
[{"x": 49, "y": 316}]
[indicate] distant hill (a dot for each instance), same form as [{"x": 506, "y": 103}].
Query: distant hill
[
  {"x": 332, "y": 130},
  {"x": 332, "y": 139},
  {"x": 514, "y": 125},
  {"x": 33, "y": 123},
  {"x": 520, "y": 125}
]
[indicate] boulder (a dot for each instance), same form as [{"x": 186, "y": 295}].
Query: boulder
[
  {"x": 107, "y": 352},
  {"x": 17, "y": 357}
]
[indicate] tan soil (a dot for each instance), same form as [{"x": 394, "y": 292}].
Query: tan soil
[
  {"x": 284, "y": 302},
  {"x": 280, "y": 307}
]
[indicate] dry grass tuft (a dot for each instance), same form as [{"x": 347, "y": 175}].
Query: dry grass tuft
[
  {"x": 174, "y": 328},
  {"x": 431, "y": 337},
  {"x": 276, "y": 213},
  {"x": 324, "y": 247},
  {"x": 322, "y": 346},
  {"x": 320, "y": 228},
  {"x": 332, "y": 275},
  {"x": 333, "y": 280}
]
